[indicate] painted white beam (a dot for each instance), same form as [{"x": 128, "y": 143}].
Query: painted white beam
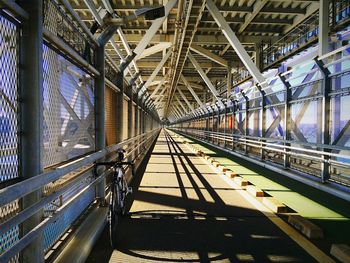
[
  {"x": 159, "y": 96},
  {"x": 234, "y": 42},
  {"x": 311, "y": 9},
  {"x": 178, "y": 108},
  {"x": 258, "y": 5},
  {"x": 93, "y": 11},
  {"x": 181, "y": 104},
  {"x": 205, "y": 78},
  {"x": 195, "y": 96},
  {"x": 153, "y": 29},
  {"x": 128, "y": 50},
  {"x": 154, "y": 49},
  {"x": 155, "y": 72},
  {"x": 185, "y": 99},
  {"x": 158, "y": 87},
  {"x": 209, "y": 55}
]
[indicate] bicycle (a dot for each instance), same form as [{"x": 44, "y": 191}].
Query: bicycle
[{"x": 119, "y": 191}]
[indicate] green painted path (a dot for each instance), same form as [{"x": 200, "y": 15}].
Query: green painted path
[{"x": 332, "y": 214}]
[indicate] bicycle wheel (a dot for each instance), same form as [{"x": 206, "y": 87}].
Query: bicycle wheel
[
  {"x": 124, "y": 197},
  {"x": 114, "y": 212}
]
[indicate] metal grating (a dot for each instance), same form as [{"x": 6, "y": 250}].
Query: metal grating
[
  {"x": 57, "y": 21},
  {"x": 8, "y": 99},
  {"x": 68, "y": 109},
  {"x": 12, "y": 236}
]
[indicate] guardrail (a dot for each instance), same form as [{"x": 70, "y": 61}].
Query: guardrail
[
  {"x": 25, "y": 187},
  {"x": 306, "y": 151},
  {"x": 279, "y": 122}
]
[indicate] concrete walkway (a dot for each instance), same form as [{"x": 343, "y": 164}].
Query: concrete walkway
[{"x": 183, "y": 211}]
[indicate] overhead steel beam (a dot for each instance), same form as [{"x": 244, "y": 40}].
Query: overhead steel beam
[
  {"x": 199, "y": 39},
  {"x": 233, "y": 40},
  {"x": 311, "y": 9},
  {"x": 128, "y": 50},
  {"x": 205, "y": 78},
  {"x": 185, "y": 99},
  {"x": 154, "y": 49},
  {"x": 155, "y": 72},
  {"x": 209, "y": 55},
  {"x": 181, "y": 111},
  {"x": 195, "y": 96},
  {"x": 160, "y": 95},
  {"x": 153, "y": 29},
  {"x": 94, "y": 11},
  {"x": 258, "y": 5},
  {"x": 181, "y": 104},
  {"x": 158, "y": 87}
]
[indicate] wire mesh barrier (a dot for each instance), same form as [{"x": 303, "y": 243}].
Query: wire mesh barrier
[
  {"x": 8, "y": 99},
  {"x": 297, "y": 120},
  {"x": 9, "y": 141},
  {"x": 68, "y": 109},
  {"x": 59, "y": 22}
]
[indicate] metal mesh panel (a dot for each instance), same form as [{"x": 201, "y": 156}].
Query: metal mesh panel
[
  {"x": 8, "y": 122},
  {"x": 57, "y": 21},
  {"x": 68, "y": 109},
  {"x": 8, "y": 100},
  {"x": 11, "y": 236},
  {"x": 57, "y": 228}
]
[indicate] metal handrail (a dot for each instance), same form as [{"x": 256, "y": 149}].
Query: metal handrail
[
  {"x": 19, "y": 190},
  {"x": 262, "y": 141},
  {"x": 29, "y": 185}
]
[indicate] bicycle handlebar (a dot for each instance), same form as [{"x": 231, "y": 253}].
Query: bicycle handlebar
[{"x": 114, "y": 163}]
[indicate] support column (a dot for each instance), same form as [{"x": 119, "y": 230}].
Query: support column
[
  {"x": 323, "y": 48},
  {"x": 119, "y": 107},
  {"x": 323, "y": 43},
  {"x": 263, "y": 120},
  {"x": 229, "y": 81},
  {"x": 325, "y": 119},
  {"x": 100, "y": 133},
  {"x": 287, "y": 122},
  {"x": 31, "y": 121},
  {"x": 131, "y": 118}
]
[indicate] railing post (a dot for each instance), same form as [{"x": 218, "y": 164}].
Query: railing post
[
  {"x": 225, "y": 123},
  {"x": 325, "y": 131},
  {"x": 31, "y": 119},
  {"x": 287, "y": 116},
  {"x": 263, "y": 120},
  {"x": 234, "y": 108},
  {"x": 246, "y": 123}
]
